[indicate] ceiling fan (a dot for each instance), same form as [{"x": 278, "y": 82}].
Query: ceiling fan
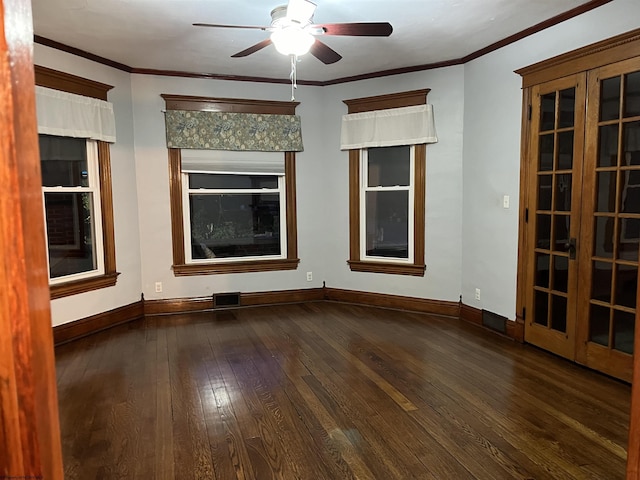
[{"x": 293, "y": 32}]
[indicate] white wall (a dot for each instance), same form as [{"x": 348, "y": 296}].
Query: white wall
[
  {"x": 492, "y": 116},
  {"x": 153, "y": 188},
  {"x": 127, "y": 289}
]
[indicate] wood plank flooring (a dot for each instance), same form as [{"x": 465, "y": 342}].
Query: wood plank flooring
[{"x": 331, "y": 391}]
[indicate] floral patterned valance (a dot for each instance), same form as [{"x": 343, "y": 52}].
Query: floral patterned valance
[{"x": 233, "y": 131}]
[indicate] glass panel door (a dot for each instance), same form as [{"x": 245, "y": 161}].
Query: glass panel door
[
  {"x": 611, "y": 220},
  {"x": 556, "y": 144}
]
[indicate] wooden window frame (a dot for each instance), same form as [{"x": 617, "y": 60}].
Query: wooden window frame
[
  {"x": 180, "y": 267},
  {"x": 356, "y": 263},
  {"x": 46, "y": 77}
]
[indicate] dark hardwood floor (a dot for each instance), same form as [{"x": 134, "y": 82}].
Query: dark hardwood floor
[{"x": 331, "y": 391}]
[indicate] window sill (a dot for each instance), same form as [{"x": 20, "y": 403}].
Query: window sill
[
  {"x": 81, "y": 286},
  {"x": 235, "y": 267},
  {"x": 388, "y": 268}
]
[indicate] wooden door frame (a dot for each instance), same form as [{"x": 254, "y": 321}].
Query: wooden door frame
[
  {"x": 30, "y": 443},
  {"x": 613, "y": 50}
]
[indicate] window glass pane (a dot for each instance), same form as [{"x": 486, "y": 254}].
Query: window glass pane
[
  {"x": 626, "y": 285},
  {"x": 632, "y": 94},
  {"x": 559, "y": 313},
  {"x": 629, "y": 239},
  {"x": 631, "y": 144},
  {"x": 603, "y": 237},
  {"x": 546, "y": 152},
  {"x": 63, "y": 161},
  {"x": 542, "y": 270},
  {"x": 567, "y": 108},
  {"x": 610, "y": 99},
  {"x": 560, "y": 273},
  {"x": 547, "y": 111},
  {"x": 563, "y": 192},
  {"x": 630, "y": 185},
  {"x": 235, "y": 225},
  {"x": 562, "y": 229},
  {"x": 543, "y": 231},
  {"x": 387, "y": 224},
  {"x": 601, "y": 281},
  {"x": 70, "y": 233},
  {"x": 389, "y": 166},
  {"x": 599, "y": 325},
  {"x": 219, "y": 181},
  {"x": 623, "y": 327},
  {"x": 565, "y": 151},
  {"x": 608, "y": 146},
  {"x": 541, "y": 306},
  {"x": 544, "y": 192},
  {"x": 606, "y": 190}
]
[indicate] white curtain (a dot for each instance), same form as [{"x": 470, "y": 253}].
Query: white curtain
[
  {"x": 225, "y": 161},
  {"x": 68, "y": 115},
  {"x": 384, "y": 128}
]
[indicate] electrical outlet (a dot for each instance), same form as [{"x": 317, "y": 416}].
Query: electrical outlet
[
  {"x": 477, "y": 294},
  {"x": 158, "y": 287},
  {"x": 309, "y": 276}
]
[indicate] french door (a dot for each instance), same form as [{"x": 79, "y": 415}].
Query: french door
[{"x": 583, "y": 216}]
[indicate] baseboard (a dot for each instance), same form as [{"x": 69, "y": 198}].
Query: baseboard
[
  {"x": 515, "y": 330},
  {"x": 81, "y": 328},
  {"x": 412, "y": 304},
  {"x": 471, "y": 314},
  {"x": 184, "y": 305}
]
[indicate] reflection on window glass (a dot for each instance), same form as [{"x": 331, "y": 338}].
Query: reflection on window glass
[
  {"x": 547, "y": 111},
  {"x": 632, "y": 94},
  {"x": 63, "y": 161},
  {"x": 388, "y": 166},
  {"x": 234, "y": 225},
  {"x": 610, "y": 99},
  {"x": 387, "y": 224},
  {"x": 70, "y": 233}
]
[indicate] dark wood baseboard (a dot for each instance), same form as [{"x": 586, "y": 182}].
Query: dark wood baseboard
[
  {"x": 471, "y": 314},
  {"x": 182, "y": 305},
  {"x": 95, "y": 323},
  {"x": 412, "y": 304},
  {"x": 515, "y": 330},
  {"x": 81, "y": 328}
]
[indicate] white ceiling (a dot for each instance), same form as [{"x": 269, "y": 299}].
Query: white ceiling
[{"x": 157, "y": 34}]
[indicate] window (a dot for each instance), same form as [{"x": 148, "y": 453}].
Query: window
[
  {"x": 233, "y": 196},
  {"x": 234, "y": 216},
  {"x": 387, "y": 187},
  {"x": 76, "y": 187},
  {"x": 386, "y": 204},
  {"x": 71, "y": 195},
  {"x": 232, "y": 222}
]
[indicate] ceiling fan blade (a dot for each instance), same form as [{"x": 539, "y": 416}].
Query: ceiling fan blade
[
  {"x": 300, "y": 11},
  {"x": 253, "y": 48},
  {"x": 324, "y": 53},
  {"x": 216, "y": 25},
  {"x": 368, "y": 29}
]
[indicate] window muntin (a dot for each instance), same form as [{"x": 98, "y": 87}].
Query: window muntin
[
  {"x": 73, "y": 213},
  {"x": 234, "y": 217},
  {"x": 387, "y": 204}
]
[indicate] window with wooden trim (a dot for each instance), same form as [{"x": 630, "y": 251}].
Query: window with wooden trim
[
  {"x": 227, "y": 217},
  {"x": 387, "y": 198},
  {"x": 76, "y": 179}
]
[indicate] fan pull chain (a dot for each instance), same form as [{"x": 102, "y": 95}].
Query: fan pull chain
[{"x": 293, "y": 76}]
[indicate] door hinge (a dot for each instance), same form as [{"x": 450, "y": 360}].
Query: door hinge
[
  {"x": 529, "y": 112},
  {"x": 526, "y": 215}
]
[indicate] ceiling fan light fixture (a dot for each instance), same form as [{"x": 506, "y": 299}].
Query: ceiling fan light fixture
[{"x": 292, "y": 40}]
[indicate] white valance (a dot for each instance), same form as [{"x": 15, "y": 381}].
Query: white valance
[
  {"x": 69, "y": 115},
  {"x": 229, "y": 162},
  {"x": 385, "y": 128}
]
